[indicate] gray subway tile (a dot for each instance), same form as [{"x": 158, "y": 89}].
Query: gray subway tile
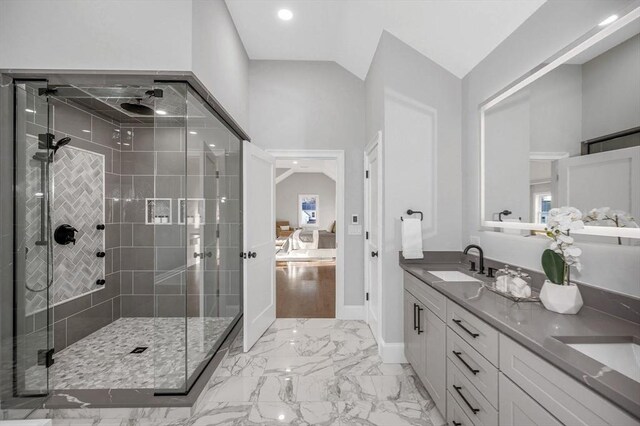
[
  {"x": 137, "y": 306},
  {"x": 137, "y": 259},
  {"x": 143, "y": 235},
  {"x": 143, "y": 187},
  {"x": 112, "y": 236},
  {"x": 60, "y": 335},
  {"x": 143, "y": 282},
  {"x": 133, "y": 211},
  {"x": 126, "y": 282},
  {"x": 110, "y": 290},
  {"x": 169, "y": 187},
  {"x": 71, "y": 120},
  {"x": 105, "y": 133},
  {"x": 88, "y": 321},
  {"x": 126, "y": 234},
  {"x": 137, "y": 163},
  {"x": 71, "y": 307},
  {"x": 170, "y": 306},
  {"x": 171, "y": 163},
  {"x": 143, "y": 139},
  {"x": 169, "y": 258},
  {"x": 116, "y": 308},
  {"x": 169, "y": 138}
]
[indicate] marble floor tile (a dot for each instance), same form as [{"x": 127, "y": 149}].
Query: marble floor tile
[
  {"x": 300, "y": 372},
  {"x": 302, "y": 366},
  {"x": 383, "y": 413},
  {"x": 341, "y": 388}
]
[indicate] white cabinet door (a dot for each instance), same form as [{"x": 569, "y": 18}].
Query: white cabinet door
[
  {"x": 519, "y": 409},
  {"x": 435, "y": 363},
  {"x": 259, "y": 243}
]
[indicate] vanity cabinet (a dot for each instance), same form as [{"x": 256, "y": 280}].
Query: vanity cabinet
[
  {"x": 479, "y": 376},
  {"x": 425, "y": 341}
]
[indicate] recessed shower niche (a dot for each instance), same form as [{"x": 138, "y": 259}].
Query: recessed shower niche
[{"x": 127, "y": 221}]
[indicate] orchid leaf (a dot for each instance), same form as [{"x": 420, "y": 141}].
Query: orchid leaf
[{"x": 553, "y": 266}]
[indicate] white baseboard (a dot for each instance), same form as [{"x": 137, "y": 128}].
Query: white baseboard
[
  {"x": 391, "y": 353},
  {"x": 351, "y": 312}
]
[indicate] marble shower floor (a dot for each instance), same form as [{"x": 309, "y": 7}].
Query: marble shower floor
[
  {"x": 103, "y": 360},
  {"x": 306, "y": 372}
]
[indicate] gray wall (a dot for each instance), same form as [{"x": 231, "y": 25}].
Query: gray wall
[
  {"x": 315, "y": 105},
  {"x": 611, "y": 90},
  {"x": 306, "y": 183},
  {"x": 417, "y": 105},
  {"x": 552, "y": 27}
]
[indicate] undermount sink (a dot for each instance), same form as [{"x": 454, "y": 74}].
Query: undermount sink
[
  {"x": 624, "y": 357},
  {"x": 452, "y": 276}
]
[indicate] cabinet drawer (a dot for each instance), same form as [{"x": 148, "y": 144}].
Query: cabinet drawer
[
  {"x": 561, "y": 395},
  {"x": 455, "y": 414},
  {"x": 480, "y": 335},
  {"x": 478, "y": 370},
  {"x": 519, "y": 409},
  {"x": 474, "y": 405},
  {"x": 430, "y": 298}
]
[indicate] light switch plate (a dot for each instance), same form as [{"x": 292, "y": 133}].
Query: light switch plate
[{"x": 355, "y": 230}]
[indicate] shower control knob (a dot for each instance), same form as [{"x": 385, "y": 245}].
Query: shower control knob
[
  {"x": 100, "y": 254},
  {"x": 252, "y": 254},
  {"x": 100, "y": 282},
  {"x": 65, "y": 234},
  {"x": 100, "y": 227}
]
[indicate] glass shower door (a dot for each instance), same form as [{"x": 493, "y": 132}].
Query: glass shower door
[{"x": 33, "y": 317}]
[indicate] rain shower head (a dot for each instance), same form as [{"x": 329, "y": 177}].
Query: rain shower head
[{"x": 136, "y": 108}]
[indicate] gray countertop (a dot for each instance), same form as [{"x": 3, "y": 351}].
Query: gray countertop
[{"x": 531, "y": 325}]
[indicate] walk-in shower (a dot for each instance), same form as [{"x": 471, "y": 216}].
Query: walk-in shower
[{"x": 126, "y": 232}]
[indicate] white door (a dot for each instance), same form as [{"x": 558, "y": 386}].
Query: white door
[
  {"x": 259, "y": 243},
  {"x": 373, "y": 237}
]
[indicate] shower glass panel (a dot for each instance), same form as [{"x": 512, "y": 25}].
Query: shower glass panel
[
  {"x": 196, "y": 220},
  {"x": 210, "y": 214},
  {"x": 169, "y": 255},
  {"x": 34, "y": 150}
]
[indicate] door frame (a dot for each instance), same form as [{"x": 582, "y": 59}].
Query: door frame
[
  {"x": 342, "y": 311},
  {"x": 367, "y": 283}
]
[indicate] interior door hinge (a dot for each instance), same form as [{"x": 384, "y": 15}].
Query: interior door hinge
[
  {"x": 366, "y": 174},
  {"x": 217, "y": 174},
  {"x": 367, "y": 294},
  {"x": 217, "y": 230},
  {"x": 366, "y": 235}
]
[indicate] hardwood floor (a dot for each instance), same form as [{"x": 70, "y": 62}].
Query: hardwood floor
[{"x": 306, "y": 289}]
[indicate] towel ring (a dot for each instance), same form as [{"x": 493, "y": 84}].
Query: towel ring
[{"x": 411, "y": 212}]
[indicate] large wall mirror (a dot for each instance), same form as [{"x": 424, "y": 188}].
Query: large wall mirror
[{"x": 568, "y": 134}]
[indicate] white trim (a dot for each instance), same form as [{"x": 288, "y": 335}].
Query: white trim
[
  {"x": 284, "y": 176},
  {"x": 376, "y": 143},
  {"x": 341, "y": 310},
  {"x": 353, "y": 312},
  {"x": 539, "y": 72},
  {"x": 391, "y": 353},
  {"x": 547, "y": 156}
]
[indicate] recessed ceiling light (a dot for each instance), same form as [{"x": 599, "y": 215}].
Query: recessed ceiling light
[
  {"x": 193, "y": 132},
  {"x": 285, "y": 14},
  {"x": 86, "y": 131},
  {"x": 212, "y": 145},
  {"x": 28, "y": 110},
  {"x": 161, "y": 112},
  {"x": 609, "y": 20},
  {"x": 295, "y": 162}
]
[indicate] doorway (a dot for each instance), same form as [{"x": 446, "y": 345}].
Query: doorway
[{"x": 309, "y": 233}]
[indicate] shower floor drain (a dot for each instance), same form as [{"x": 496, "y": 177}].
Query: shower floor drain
[{"x": 139, "y": 349}]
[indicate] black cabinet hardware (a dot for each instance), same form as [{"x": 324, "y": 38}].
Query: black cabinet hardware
[
  {"x": 415, "y": 326},
  {"x": 100, "y": 254},
  {"x": 459, "y": 322},
  {"x": 374, "y": 254},
  {"x": 419, "y": 329},
  {"x": 491, "y": 273},
  {"x": 473, "y": 265},
  {"x": 100, "y": 227},
  {"x": 252, "y": 255},
  {"x": 459, "y": 356},
  {"x": 454, "y": 423},
  {"x": 459, "y": 390}
]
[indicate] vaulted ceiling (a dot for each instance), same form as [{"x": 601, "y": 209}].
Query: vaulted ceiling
[{"x": 457, "y": 34}]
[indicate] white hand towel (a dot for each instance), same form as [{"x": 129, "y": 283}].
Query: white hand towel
[{"x": 412, "y": 238}]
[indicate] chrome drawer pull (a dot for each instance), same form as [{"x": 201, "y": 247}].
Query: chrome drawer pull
[
  {"x": 459, "y": 389},
  {"x": 459, "y": 322},
  {"x": 459, "y": 356}
]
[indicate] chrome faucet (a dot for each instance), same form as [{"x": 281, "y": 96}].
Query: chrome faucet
[{"x": 480, "y": 255}]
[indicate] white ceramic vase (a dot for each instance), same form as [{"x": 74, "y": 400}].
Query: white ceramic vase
[{"x": 563, "y": 299}]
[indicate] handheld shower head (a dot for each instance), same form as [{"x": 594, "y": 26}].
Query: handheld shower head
[{"x": 62, "y": 142}]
